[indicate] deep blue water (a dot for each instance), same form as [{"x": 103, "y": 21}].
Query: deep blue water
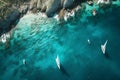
[{"x": 40, "y": 44}]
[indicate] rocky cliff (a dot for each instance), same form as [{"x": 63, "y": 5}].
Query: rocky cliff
[
  {"x": 50, "y": 6},
  {"x": 12, "y": 10},
  {"x": 9, "y": 13}
]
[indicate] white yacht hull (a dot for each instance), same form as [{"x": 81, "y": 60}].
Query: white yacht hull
[
  {"x": 103, "y": 47},
  {"x": 58, "y": 62}
]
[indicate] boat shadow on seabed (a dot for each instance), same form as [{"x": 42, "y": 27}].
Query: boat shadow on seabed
[
  {"x": 64, "y": 71},
  {"x": 107, "y": 55}
]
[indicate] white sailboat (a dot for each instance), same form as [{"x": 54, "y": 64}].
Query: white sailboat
[
  {"x": 57, "y": 61},
  {"x": 103, "y": 47}
]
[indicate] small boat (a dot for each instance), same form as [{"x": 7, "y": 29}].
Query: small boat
[
  {"x": 57, "y": 61},
  {"x": 89, "y": 42},
  {"x": 103, "y": 47},
  {"x": 24, "y": 61}
]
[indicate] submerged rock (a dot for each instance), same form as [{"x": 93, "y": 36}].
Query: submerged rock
[
  {"x": 94, "y": 12},
  {"x": 104, "y": 2},
  {"x": 90, "y": 2}
]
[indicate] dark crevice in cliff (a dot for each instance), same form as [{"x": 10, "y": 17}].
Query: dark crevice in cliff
[{"x": 10, "y": 22}]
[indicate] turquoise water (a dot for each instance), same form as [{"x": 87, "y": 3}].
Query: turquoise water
[{"x": 39, "y": 40}]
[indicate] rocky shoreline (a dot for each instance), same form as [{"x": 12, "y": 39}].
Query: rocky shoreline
[
  {"x": 61, "y": 10},
  {"x": 18, "y": 8}
]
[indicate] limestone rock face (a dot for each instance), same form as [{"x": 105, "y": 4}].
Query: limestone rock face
[
  {"x": 50, "y": 6},
  {"x": 33, "y": 4},
  {"x": 53, "y": 6},
  {"x": 5, "y": 24},
  {"x": 13, "y": 15},
  {"x": 39, "y": 4},
  {"x": 67, "y": 3},
  {"x": 23, "y": 9},
  {"x": 10, "y": 12}
]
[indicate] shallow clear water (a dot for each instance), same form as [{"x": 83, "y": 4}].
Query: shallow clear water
[{"x": 39, "y": 41}]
